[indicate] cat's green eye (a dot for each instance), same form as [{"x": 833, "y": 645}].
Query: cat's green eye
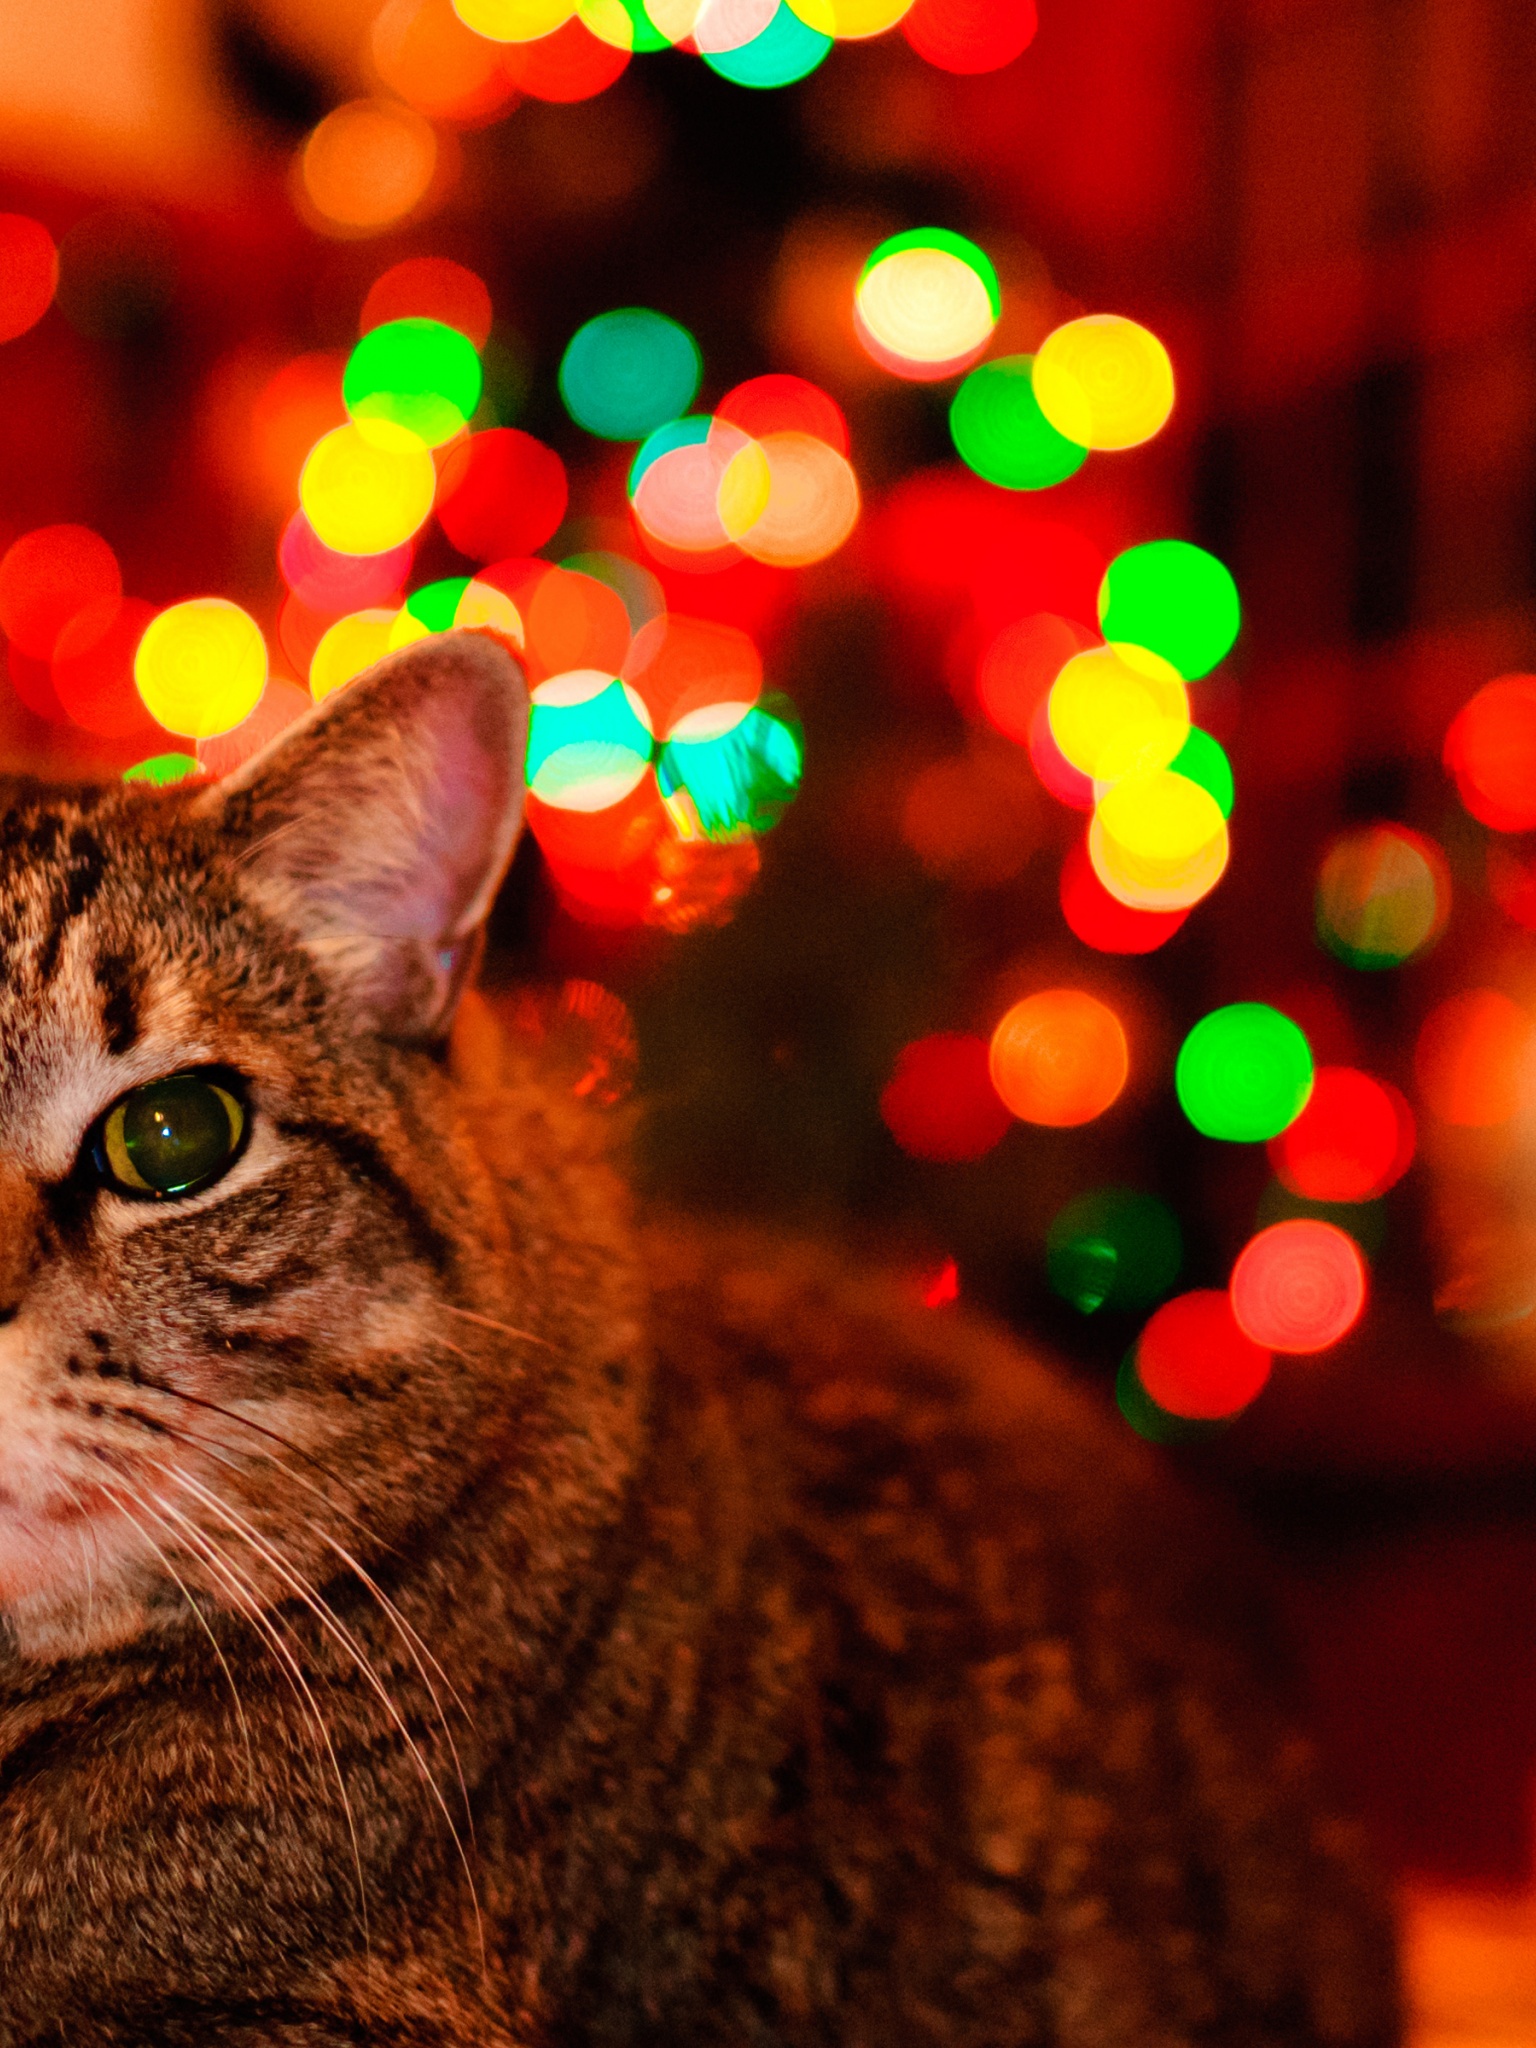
[{"x": 171, "y": 1137}]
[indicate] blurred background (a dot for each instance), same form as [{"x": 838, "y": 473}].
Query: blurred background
[{"x": 842, "y": 991}]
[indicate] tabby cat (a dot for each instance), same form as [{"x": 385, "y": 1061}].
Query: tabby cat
[{"x": 436, "y": 1611}]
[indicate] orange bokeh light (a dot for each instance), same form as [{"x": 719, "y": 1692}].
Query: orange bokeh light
[
  {"x": 1474, "y": 1056},
  {"x": 1059, "y": 1057},
  {"x": 1490, "y": 748},
  {"x": 367, "y": 165}
]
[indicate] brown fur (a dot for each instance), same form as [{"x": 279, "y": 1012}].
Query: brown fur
[{"x": 710, "y": 1650}]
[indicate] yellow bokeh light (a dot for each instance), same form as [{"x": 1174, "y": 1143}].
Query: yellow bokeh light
[
  {"x": 367, "y": 165},
  {"x": 854, "y": 19},
  {"x": 813, "y": 502},
  {"x": 1115, "y": 711},
  {"x": 674, "y": 19},
  {"x": 925, "y": 305},
  {"x": 404, "y": 627},
  {"x": 201, "y": 667},
  {"x": 514, "y": 21},
  {"x": 745, "y": 489},
  {"x": 1158, "y": 841},
  {"x": 1104, "y": 382},
  {"x": 484, "y": 605},
  {"x": 367, "y": 488},
  {"x": 347, "y": 648}
]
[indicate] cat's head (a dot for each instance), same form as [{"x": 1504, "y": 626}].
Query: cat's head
[{"x": 248, "y": 1259}]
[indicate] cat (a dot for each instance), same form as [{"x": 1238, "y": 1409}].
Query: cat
[{"x": 441, "y": 1610}]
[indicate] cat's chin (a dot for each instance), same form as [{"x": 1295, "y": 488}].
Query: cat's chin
[{"x": 68, "y": 1586}]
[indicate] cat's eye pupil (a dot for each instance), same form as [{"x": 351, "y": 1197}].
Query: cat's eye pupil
[{"x": 172, "y": 1136}]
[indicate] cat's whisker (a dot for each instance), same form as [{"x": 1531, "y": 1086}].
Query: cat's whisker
[
  {"x": 490, "y": 1323},
  {"x": 247, "y": 1597},
  {"x": 261, "y": 1429},
  {"x": 202, "y": 1621},
  {"x": 342, "y": 1635}
]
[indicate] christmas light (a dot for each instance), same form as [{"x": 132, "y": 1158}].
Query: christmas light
[
  {"x": 625, "y": 373},
  {"x": 1104, "y": 382},
  {"x": 1059, "y": 1057},
  {"x": 1174, "y": 598},
  {"x": 1299, "y": 1286},
  {"x": 1243, "y": 1073}
]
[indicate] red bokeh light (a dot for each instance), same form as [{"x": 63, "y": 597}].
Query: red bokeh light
[
  {"x": 570, "y": 64},
  {"x": 29, "y": 273},
  {"x": 1036, "y": 565},
  {"x": 970, "y": 35},
  {"x": 1352, "y": 1142},
  {"x": 48, "y": 576},
  {"x": 678, "y": 665},
  {"x": 92, "y": 668},
  {"x": 1299, "y": 1286},
  {"x": 1103, "y": 921},
  {"x": 782, "y": 404},
  {"x": 1194, "y": 1360},
  {"x": 1490, "y": 748},
  {"x": 332, "y": 583},
  {"x": 429, "y": 288},
  {"x": 501, "y": 493},
  {"x": 1020, "y": 664},
  {"x": 940, "y": 1103},
  {"x": 1067, "y": 784}
]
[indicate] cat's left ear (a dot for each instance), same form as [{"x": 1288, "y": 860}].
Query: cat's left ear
[{"x": 378, "y": 827}]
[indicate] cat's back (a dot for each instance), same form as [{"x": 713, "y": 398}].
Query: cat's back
[{"x": 998, "y": 1751}]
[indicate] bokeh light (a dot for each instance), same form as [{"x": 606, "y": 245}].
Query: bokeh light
[
  {"x": 346, "y": 648},
  {"x": 424, "y": 52},
  {"x": 567, "y": 65},
  {"x": 1383, "y": 896},
  {"x": 580, "y": 723},
  {"x": 1015, "y": 673},
  {"x": 970, "y": 35},
  {"x": 1000, "y": 432},
  {"x": 49, "y": 575},
  {"x": 940, "y": 1103},
  {"x": 1104, "y": 382},
  {"x": 514, "y": 21},
  {"x": 1353, "y": 1141},
  {"x": 367, "y": 491},
  {"x": 201, "y": 666},
  {"x": 852, "y": 20},
  {"x": 637, "y": 589},
  {"x": 682, "y": 666},
  {"x": 1158, "y": 841},
  {"x": 294, "y": 407},
  {"x": 1203, "y": 760},
  {"x": 570, "y": 621},
  {"x": 1114, "y": 713},
  {"x": 501, "y": 493},
  {"x": 779, "y": 404},
  {"x": 1103, "y": 921},
  {"x": 414, "y": 373},
  {"x": 1174, "y": 598},
  {"x": 326, "y": 580},
  {"x": 1474, "y": 1058},
  {"x": 719, "y": 783},
  {"x": 787, "y": 49},
  {"x": 1114, "y": 1248},
  {"x": 1299, "y": 1286},
  {"x": 812, "y": 501},
  {"x": 681, "y": 485},
  {"x": 1059, "y": 1057},
  {"x": 29, "y": 273},
  {"x": 1490, "y": 748},
  {"x": 160, "y": 771},
  {"x": 1194, "y": 1359},
  {"x": 367, "y": 165},
  {"x": 1243, "y": 1074},
  {"x": 627, "y": 372},
  {"x": 92, "y": 670},
  {"x": 926, "y": 303},
  {"x": 429, "y": 288}
]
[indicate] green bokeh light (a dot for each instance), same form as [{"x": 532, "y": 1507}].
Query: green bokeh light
[
  {"x": 1113, "y": 1248},
  {"x": 626, "y": 24},
  {"x": 1244, "y": 1073},
  {"x": 163, "y": 769},
  {"x": 744, "y": 780},
  {"x": 969, "y": 253},
  {"x": 1204, "y": 760},
  {"x": 1174, "y": 598},
  {"x": 606, "y": 719},
  {"x": 787, "y": 49},
  {"x": 1002, "y": 434},
  {"x": 436, "y": 603},
  {"x": 1152, "y": 1422},
  {"x": 628, "y": 372},
  {"x": 420, "y": 374}
]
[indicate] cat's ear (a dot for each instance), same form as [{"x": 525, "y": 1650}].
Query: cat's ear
[{"x": 379, "y": 826}]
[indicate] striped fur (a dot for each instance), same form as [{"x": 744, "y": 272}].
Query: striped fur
[{"x": 433, "y": 1615}]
